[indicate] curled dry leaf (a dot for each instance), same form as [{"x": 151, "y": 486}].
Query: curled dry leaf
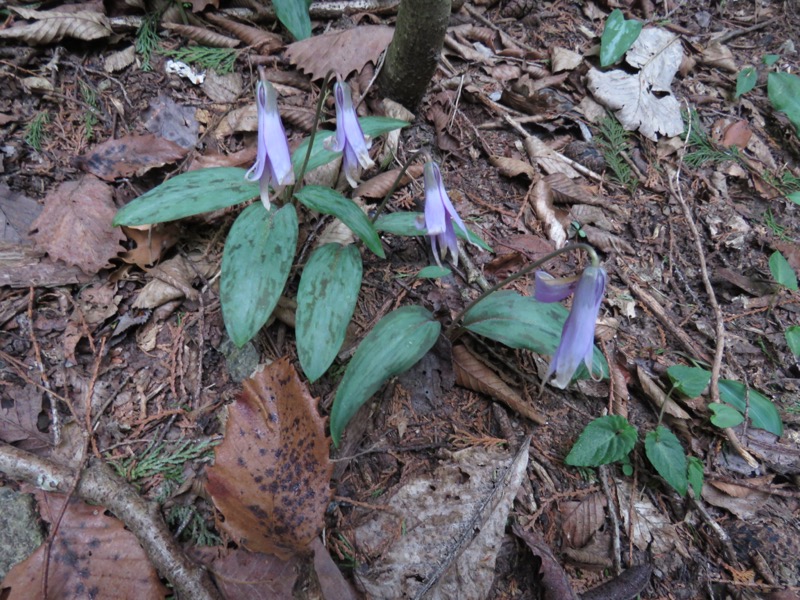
[
  {"x": 249, "y": 575},
  {"x": 472, "y": 374},
  {"x": 202, "y": 36},
  {"x": 300, "y": 117},
  {"x": 271, "y": 475},
  {"x": 171, "y": 280},
  {"x": 658, "y": 397},
  {"x": 131, "y": 155},
  {"x": 744, "y": 502},
  {"x": 512, "y": 167},
  {"x": 571, "y": 191},
  {"x": 548, "y": 159},
  {"x": 265, "y": 42},
  {"x": 541, "y": 197},
  {"x": 75, "y": 224},
  {"x": 116, "y": 61},
  {"x": 151, "y": 242},
  {"x": 582, "y": 519},
  {"x": 92, "y": 555},
  {"x": 53, "y": 26},
  {"x": 625, "y": 586},
  {"x": 340, "y": 51},
  {"x": 554, "y": 579},
  {"x": 379, "y": 186},
  {"x": 607, "y": 241}
]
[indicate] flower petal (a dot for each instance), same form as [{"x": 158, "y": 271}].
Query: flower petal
[
  {"x": 435, "y": 214},
  {"x": 550, "y": 289},
  {"x": 348, "y": 129}
]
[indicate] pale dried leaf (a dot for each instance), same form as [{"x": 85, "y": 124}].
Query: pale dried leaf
[
  {"x": 53, "y": 26},
  {"x": 607, "y": 241},
  {"x": 564, "y": 60},
  {"x": 248, "y": 575},
  {"x": 300, "y": 117},
  {"x": 512, "y": 167},
  {"x": 337, "y": 232},
  {"x": 265, "y": 42},
  {"x": 582, "y": 519},
  {"x": 619, "y": 376},
  {"x": 554, "y": 579},
  {"x": 116, "y": 61},
  {"x": 171, "y": 280},
  {"x": 225, "y": 89},
  {"x": 548, "y": 159},
  {"x": 658, "y": 397},
  {"x": 743, "y": 502},
  {"x": 202, "y": 36},
  {"x": 474, "y": 375},
  {"x": 541, "y": 197},
  {"x": 570, "y": 191},
  {"x": 17, "y": 213},
  {"x": 241, "y": 119},
  {"x": 718, "y": 56},
  {"x": 75, "y": 224},
  {"x": 379, "y": 186},
  {"x": 485, "y": 35},
  {"x": 19, "y": 417},
  {"x": 505, "y": 72},
  {"x": 592, "y": 215},
  {"x": 340, "y": 51}
]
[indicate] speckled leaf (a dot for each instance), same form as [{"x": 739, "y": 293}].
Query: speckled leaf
[
  {"x": 331, "y": 202},
  {"x": 326, "y": 299},
  {"x": 522, "y": 322},
  {"x": 256, "y": 262},
  {"x": 396, "y": 343},
  {"x": 406, "y": 223},
  {"x": 271, "y": 474},
  {"x": 294, "y": 16},
  {"x": 618, "y": 36},
  {"x": 188, "y": 194}
]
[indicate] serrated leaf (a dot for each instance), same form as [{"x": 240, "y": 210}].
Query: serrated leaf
[
  {"x": 331, "y": 202},
  {"x": 746, "y": 80},
  {"x": 794, "y": 197},
  {"x": 371, "y": 126},
  {"x": 256, "y": 263},
  {"x": 521, "y": 322},
  {"x": 763, "y": 413},
  {"x": 782, "y": 271},
  {"x": 694, "y": 473},
  {"x": 793, "y": 339},
  {"x": 690, "y": 381},
  {"x": 53, "y": 26},
  {"x": 433, "y": 272},
  {"x": 294, "y": 16},
  {"x": 394, "y": 345},
  {"x": 188, "y": 194},
  {"x": 724, "y": 416},
  {"x": 603, "y": 441},
  {"x": 326, "y": 299},
  {"x": 783, "y": 90},
  {"x": 410, "y": 224},
  {"x": 618, "y": 36},
  {"x": 666, "y": 454}
]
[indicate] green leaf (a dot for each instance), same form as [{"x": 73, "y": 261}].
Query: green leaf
[
  {"x": 326, "y": 299},
  {"x": 603, "y": 441},
  {"x": 782, "y": 271},
  {"x": 762, "y": 413},
  {"x": 690, "y": 381},
  {"x": 188, "y": 194},
  {"x": 783, "y": 90},
  {"x": 746, "y": 80},
  {"x": 724, "y": 415},
  {"x": 256, "y": 262},
  {"x": 793, "y": 339},
  {"x": 521, "y": 322},
  {"x": 666, "y": 454},
  {"x": 371, "y": 126},
  {"x": 396, "y": 343},
  {"x": 331, "y": 202},
  {"x": 618, "y": 35},
  {"x": 294, "y": 16},
  {"x": 771, "y": 59},
  {"x": 433, "y": 272},
  {"x": 694, "y": 473},
  {"x": 794, "y": 197},
  {"x": 406, "y": 223}
]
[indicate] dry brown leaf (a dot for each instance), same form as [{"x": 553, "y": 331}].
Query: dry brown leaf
[
  {"x": 54, "y": 25},
  {"x": 75, "y": 224},
  {"x": 563, "y": 59},
  {"x": 336, "y": 232},
  {"x": 116, "y": 61},
  {"x": 379, "y": 186},
  {"x": 444, "y": 139},
  {"x": 743, "y": 502},
  {"x": 607, "y": 241},
  {"x": 737, "y": 134},
  {"x": 548, "y": 159},
  {"x": 200, "y": 5},
  {"x": 340, "y": 51},
  {"x": 92, "y": 556},
  {"x": 300, "y": 117},
  {"x": 241, "y": 119},
  {"x": 512, "y": 167},
  {"x": 541, "y": 197},
  {"x": 171, "y": 280},
  {"x": 582, "y": 519},
  {"x": 658, "y": 397},
  {"x": 473, "y": 375},
  {"x": 554, "y": 579},
  {"x": 592, "y": 215},
  {"x": 243, "y": 158},
  {"x": 225, "y": 89},
  {"x": 571, "y": 191},
  {"x": 265, "y": 42},
  {"x": 505, "y": 72},
  {"x": 17, "y": 213},
  {"x": 249, "y": 575},
  {"x": 151, "y": 243},
  {"x": 131, "y": 155},
  {"x": 19, "y": 418},
  {"x": 719, "y": 56},
  {"x": 202, "y": 36},
  {"x": 172, "y": 121},
  {"x": 272, "y": 473}
]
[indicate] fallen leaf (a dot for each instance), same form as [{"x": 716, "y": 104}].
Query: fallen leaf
[
  {"x": 17, "y": 213},
  {"x": 54, "y": 25},
  {"x": 540, "y": 196},
  {"x": 379, "y": 186},
  {"x": 512, "y": 167},
  {"x": 341, "y": 51},
  {"x": 742, "y": 501},
  {"x": 224, "y": 89},
  {"x": 546, "y": 158},
  {"x": 272, "y": 473},
  {"x": 718, "y": 56},
  {"x": 19, "y": 418},
  {"x": 265, "y": 42},
  {"x": 564, "y": 60},
  {"x": 131, "y": 155},
  {"x": 582, "y": 519},
  {"x": 607, "y": 241},
  {"x": 169, "y": 120},
  {"x": 659, "y": 398},
  {"x": 151, "y": 243},
  {"x": 553, "y": 578},
  {"x": 737, "y": 134},
  {"x": 92, "y": 556},
  {"x": 171, "y": 280},
  {"x": 249, "y": 575},
  {"x": 75, "y": 225}
]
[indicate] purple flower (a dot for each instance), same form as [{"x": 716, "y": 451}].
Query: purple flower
[
  {"x": 439, "y": 215},
  {"x": 349, "y": 138},
  {"x": 273, "y": 165},
  {"x": 577, "y": 338}
]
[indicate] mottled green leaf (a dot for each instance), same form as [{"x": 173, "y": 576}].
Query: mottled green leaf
[
  {"x": 433, "y": 272},
  {"x": 618, "y": 36},
  {"x": 412, "y": 224},
  {"x": 793, "y": 339},
  {"x": 294, "y": 16}
]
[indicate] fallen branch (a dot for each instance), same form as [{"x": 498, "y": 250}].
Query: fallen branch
[{"x": 98, "y": 484}]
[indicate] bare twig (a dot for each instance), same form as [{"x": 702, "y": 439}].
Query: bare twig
[{"x": 99, "y": 484}]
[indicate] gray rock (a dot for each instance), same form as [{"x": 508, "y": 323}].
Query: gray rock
[{"x": 20, "y": 528}]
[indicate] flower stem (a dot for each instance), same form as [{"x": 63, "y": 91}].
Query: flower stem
[
  {"x": 400, "y": 175},
  {"x": 524, "y": 271},
  {"x": 322, "y": 94}
]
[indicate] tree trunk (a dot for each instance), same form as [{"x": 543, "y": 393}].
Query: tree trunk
[{"x": 414, "y": 51}]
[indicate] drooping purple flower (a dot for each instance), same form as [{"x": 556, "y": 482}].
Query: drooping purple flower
[
  {"x": 273, "y": 166},
  {"x": 577, "y": 338},
  {"x": 439, "y": 215},
  {"x": 349, "y": 139}
]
